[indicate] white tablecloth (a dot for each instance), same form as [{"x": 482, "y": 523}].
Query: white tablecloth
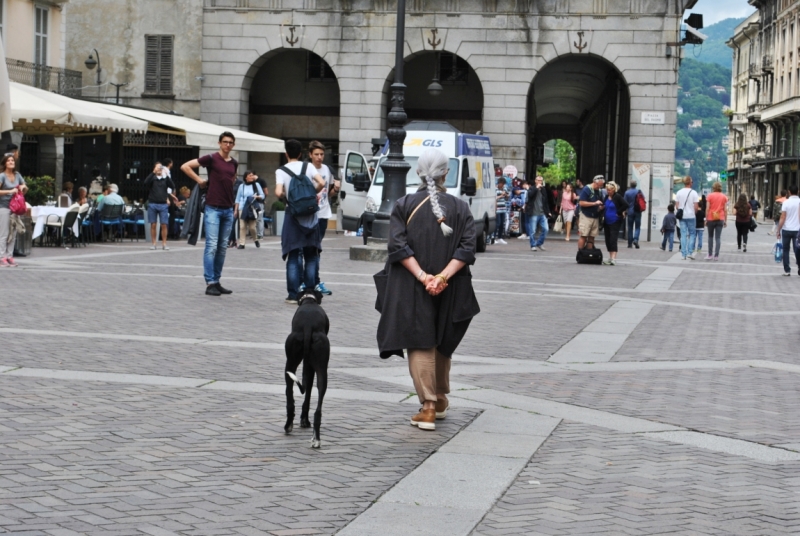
[{"x": 40, "y": 215}]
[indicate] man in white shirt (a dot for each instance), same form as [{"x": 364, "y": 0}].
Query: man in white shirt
[
  {"x": 300, "y": 240},
  {"x": 316, "y": 150},
  {"x": 687, "y": 200},
  {"x": 789, "y": 228}
]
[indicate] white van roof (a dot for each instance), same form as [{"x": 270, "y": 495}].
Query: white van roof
[{"x": 450, "y": 143}]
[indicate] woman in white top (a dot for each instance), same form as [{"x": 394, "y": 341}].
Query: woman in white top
[
  {"x": 249, "y": 188},
  {"x": 11, "y": 182}
]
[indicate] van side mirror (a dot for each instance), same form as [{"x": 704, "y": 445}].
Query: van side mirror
[
  {"x": 361, "y": 182},
  {"x": 469, "y": 186}
]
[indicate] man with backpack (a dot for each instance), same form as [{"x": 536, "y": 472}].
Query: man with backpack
[
  {"x": 299, "y": 183},
  {"x": 636, "y": 205}
]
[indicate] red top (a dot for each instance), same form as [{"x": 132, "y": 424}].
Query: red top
[
  {"x": 716, "y": 206},
  {"x": 221, "y": 177}
]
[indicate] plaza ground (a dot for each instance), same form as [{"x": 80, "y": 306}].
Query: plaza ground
[{"x": 652, "y": 397}]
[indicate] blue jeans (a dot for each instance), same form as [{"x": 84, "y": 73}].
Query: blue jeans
[
  {"x": 698, "y": 240},
  {"x": 500, "y": 228},
  {"x": 217, "y": 225},
  {"x": 534, "y": 223},
  {"x": 687, "y": 235},
  {"x": 789, "y": 241},
  {"x": 295, "y": 271},
  {"x": 323, "y": 226},
  {"x": 668, "y": 236},
  {"x": 634, "y": 227}
]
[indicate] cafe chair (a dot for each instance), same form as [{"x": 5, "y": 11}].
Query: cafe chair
[
  {"x": 111, "y": 215},
  {"x": 64, "y": 201},
  {"x": 66, "y": 228},
  {"x": 52, "y": 228},
  {"x": 84, "y": 214}
]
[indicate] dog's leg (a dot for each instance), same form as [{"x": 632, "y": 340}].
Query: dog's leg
[
  {"x": 308, "y": 381},
  {"x": 294, "y": 354},
  {"x": 322, "y": 351}
]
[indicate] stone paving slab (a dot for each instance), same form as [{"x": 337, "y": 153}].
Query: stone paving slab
[
  {"x": 89, "y": 457},
  {"x": 590, "y": 480},
  {"x": 752, "y": 404}
]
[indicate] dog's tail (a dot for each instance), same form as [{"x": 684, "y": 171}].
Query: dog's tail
[{"x": 296, "y": 380}]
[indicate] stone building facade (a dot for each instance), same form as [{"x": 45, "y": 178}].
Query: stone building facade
[{"x": 601, "y": 74}]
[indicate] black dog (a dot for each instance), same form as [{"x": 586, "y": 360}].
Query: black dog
[{"x": 308, "y": 342}]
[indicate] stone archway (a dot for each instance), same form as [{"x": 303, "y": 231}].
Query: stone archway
[
  {"x": 584, "y": 100},
  {"x": 293, "y": 93},
  {"x": 461, "y": 100}
]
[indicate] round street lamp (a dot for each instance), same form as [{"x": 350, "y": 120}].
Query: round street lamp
[{"x": 91, "y": 63}]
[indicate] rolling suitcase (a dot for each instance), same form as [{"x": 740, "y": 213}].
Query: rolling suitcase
[{"x": 22, "y": 247}]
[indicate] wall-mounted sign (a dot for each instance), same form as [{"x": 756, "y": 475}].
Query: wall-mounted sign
[{"x": 654, "y": 118}]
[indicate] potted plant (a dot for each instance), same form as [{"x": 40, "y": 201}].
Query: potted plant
[
  {"x": 278, "y": 213},
  {"x": 39, "y": 189}
]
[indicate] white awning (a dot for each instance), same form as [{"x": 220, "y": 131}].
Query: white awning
[
  {"x": 200, "y": 133},
  {"x": 5, "y": 98},
  {"x": 36, "y": 111}
]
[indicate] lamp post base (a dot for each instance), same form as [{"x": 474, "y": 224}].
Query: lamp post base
[{"x": 375, "y": 251}]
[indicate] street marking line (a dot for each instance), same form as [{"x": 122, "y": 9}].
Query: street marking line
[{"x": 737, "y": 447}]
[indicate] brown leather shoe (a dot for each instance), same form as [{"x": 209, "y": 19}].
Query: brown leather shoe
[
  {"x": 441, "y": 408},
  {"x": 425, "y": 419}
]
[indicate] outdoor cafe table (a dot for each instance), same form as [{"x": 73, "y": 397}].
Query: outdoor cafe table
[{"x": 40, "y": 215}]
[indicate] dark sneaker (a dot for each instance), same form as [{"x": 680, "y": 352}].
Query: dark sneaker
[
  {"x": 636, "y": 244},
  {"x": 258, "y": 244},
  {"x": 213, "y": 290},
  {"x": 290, "y": 300},
  {"x": 223, "y": 290},
  {"x": 241, "y": 247},
  {"x": 323, "y": 289},
  {"x": 425, "y": 419}
]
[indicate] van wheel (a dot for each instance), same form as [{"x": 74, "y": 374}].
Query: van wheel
[{"x": 483, "y": 239}]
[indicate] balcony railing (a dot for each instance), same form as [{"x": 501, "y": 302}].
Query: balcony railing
[
  {"x": 755, "y": 70},
  {"x": 62, "y": 81},
  {"x": 766, "y": 63}
]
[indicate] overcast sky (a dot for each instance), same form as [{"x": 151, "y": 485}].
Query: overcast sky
[{"x": 716, "y": 10}]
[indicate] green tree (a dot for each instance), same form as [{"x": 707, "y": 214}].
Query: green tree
[{"x": 564, "y": 167}]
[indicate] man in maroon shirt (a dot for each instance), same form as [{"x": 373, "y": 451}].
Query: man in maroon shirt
[{"x": 218, "y": 214}]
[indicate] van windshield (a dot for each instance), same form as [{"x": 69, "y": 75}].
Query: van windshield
[{"x": 412, "y": 179}]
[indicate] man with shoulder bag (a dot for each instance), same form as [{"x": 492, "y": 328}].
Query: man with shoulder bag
[
  {"x": 636, "y": 206},
  {"x": 591, "y": 203},
  {"x": 688, "y": 203}
]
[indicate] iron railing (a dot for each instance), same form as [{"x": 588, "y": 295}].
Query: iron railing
[{"x": 62, "y": 81}]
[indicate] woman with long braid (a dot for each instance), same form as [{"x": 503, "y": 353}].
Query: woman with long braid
[{"x": 425, "y": 293}]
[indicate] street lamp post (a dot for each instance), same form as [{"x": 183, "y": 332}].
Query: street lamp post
[{"x": 395, "y": 168}]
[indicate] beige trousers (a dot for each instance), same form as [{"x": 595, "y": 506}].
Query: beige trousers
[
  {"x": 243, "y": 226},
  {"x": 430, "y": 371}
]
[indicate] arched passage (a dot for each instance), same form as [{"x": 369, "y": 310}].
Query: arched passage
[
  {"x": 461, "y": 100},
  {"x": 293, "y": 94},
  {"x": 584, "y": 100}
]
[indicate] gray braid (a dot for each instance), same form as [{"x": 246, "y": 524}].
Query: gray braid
[{"x": 431, "y": 166}]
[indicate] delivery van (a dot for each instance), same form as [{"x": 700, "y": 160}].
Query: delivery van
[{"x": 471, "y": 176}]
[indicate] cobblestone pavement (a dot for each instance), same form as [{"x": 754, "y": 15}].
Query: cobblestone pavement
[{"x": 130, "y": 403}]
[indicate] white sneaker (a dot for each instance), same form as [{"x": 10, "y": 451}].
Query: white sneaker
[
  {"x": 501, "y": 241},
  {"x": 522, "y": 237},
  {"x": 690, "y": 257},
  {"x": 541, "y": 248},
  {"x": 534, "y": 248}
]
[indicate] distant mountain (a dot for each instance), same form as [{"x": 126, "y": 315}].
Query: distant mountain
[{"x": 714, "y": 50}]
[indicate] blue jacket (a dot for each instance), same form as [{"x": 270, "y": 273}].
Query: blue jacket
[{"x": 630, "y": 198}]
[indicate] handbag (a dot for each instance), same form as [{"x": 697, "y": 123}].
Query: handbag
[
  {"x": 753, "y": 225},
  {"x": 17, "y": 204},
  {"x": 559, "y": 224},
  {"x": 589, "y": 255}
]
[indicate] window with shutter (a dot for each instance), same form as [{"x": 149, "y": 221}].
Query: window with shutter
[{"x": 158, "y": 65}]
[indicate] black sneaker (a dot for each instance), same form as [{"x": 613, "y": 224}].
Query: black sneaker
[
  {"x": 636, "y": 244},
  {"x": 241, "y": 247},
  {"x": 223, "y": 290},
  {"x": 290, "y": 300},
  {"x": 258, "y": 244},
  {"x": 213, "y": 290}
]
